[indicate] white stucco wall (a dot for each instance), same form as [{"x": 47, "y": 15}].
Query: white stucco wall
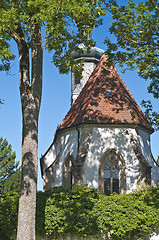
[
  {"x": 76, "y": 88},
  {"x": 103, "y": 139},
  {"x": 69, "y": 141},
  {"x": 145, "y": 148}
]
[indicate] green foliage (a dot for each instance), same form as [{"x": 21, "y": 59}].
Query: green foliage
[
  {"x": 71, "y": 212},
  {"x": 8, "y": 215},
  {"x": 135, "y": 26},
  {"x": 61, "y": 21},
  {"x": 152, "y": 116},
  {"x": 40, "y": 212},
  {"x": 125, "y": 216},
  {"x": 151, "y": 196},
  {"x": 8, "y": 165},
  {"x": 85, "y": 212},
  {"x": 12, "y": 183}
]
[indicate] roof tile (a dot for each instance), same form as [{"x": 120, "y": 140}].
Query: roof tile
[{"x": 94, "y": 106}]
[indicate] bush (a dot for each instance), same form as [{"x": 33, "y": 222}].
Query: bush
[
  {"x": 8, "y": 215},
  {"x": 85, "y": 212},
  {"x": 88, "y": 213},
  {"x": 126, "y": 216},
  {"x": 71, "y": 211}
]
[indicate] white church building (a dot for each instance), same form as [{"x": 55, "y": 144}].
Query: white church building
[{"x": 104, "y": 140}]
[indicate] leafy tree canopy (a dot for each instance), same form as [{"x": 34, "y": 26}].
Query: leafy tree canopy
[
  {"x": 136, "y": 29},
  {"x": 8, "y": 166},
  {"x": 151, "y": 115},
  {"x": 61, "y": 20}
]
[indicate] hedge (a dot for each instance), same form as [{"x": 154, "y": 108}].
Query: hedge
[{"x": 85, "y": 212}]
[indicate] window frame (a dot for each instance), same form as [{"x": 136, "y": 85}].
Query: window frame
[
  {"x": 120, "y": 164},
  {"x": 67, "y": 173},
  {"x": 111, "y": 179}
]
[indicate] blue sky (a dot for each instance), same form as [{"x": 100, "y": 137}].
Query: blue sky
[{"x": 56, "y": 98}]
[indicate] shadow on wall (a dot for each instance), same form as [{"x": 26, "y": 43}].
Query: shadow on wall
[{"x": 116, "y": 141}]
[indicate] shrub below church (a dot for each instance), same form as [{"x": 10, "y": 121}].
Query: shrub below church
[
  {"x": 126, "y": 216},
  {"x": 85, "y": 212},
  {"x": 71, "y": 211}
]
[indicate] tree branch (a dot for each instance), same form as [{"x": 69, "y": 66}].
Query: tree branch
[
  {"x": 154, "y": 4},
  {"x": 138, "y": 43}
]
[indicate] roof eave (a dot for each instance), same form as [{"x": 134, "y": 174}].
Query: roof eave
[{"x": 133, "y": 125}]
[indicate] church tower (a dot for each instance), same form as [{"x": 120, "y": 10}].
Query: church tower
[{"x": 90, "y": 61}]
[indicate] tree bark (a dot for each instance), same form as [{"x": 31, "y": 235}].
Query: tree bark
[{"x": 30, "y": 92}]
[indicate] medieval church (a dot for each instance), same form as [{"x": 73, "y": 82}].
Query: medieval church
[{"x": 104, "y": 140}]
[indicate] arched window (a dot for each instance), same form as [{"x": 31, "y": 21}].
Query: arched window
[
  {"x": 77, "y": 78},
  {"x": 112, "y": 176},
  {"x": 144, "y": 172},
  {"x": 67, "y": 172}
]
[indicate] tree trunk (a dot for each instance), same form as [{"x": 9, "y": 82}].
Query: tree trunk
[{"x": 30, "y": 100}]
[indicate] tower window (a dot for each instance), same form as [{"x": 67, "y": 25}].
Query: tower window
[
  {"x": 77, "y": 77},
  {"x": 77, "y": 80},
  {"x": 109, "y": 93}
]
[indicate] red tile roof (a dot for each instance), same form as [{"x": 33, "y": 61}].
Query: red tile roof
[{"x": 94, "y": 106}]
